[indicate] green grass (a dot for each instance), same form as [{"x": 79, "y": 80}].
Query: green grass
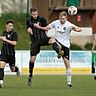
[{"x": 48, "y": 86}]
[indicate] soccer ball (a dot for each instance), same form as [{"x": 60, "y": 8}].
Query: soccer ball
[{"x": 72, "y": 10}]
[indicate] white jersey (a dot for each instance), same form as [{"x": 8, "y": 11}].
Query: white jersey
[{"x": 62, "y": 31}]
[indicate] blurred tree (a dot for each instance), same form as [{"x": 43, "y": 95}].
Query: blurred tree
[{"x": 17, "y": 6}]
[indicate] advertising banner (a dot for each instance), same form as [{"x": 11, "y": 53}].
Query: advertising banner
[{"x": 47, "y": 63}]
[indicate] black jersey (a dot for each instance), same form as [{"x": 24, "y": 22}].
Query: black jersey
[
  {"x": 8, "y": 49},
  {"x": 37, "y": 33}
]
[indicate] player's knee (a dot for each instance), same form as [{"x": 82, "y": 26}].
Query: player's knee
[
  {"x": 2, "y": 64},
  {"x": 32, "y": 60},
  {"x": 52, "y": 40}
]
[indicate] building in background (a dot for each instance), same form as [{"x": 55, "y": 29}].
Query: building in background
[{"x": 18, "y": 6}]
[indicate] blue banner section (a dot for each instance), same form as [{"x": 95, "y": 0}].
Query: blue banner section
[{"x": 81, "y": 59}]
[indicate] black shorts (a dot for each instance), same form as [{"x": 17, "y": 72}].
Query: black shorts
[
  {"x": 36, "y": 44},
  {"x": 8, "y": 59},
  {"x": 66, "y": 51}
]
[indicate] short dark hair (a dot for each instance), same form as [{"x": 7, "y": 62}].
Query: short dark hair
[
  {"x": 9, "y": 21},
  {"x": 33, "y": 9}
]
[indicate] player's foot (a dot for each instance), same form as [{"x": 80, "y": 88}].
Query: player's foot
[
  {"x": 94, "y": 77},
  {"x": 29, "y": 81},
  {"x": 61, "y": 53},
  {"x": 69, "y": 86},
  {"x": 18, "y": 72},
  {"x": 1, "y": 83}
]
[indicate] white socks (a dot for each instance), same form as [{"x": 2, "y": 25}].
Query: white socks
[
  {"x": 1, "y": 83},
  {"x": 95, "y": 69},
  {"x": 68, "y": 74}
]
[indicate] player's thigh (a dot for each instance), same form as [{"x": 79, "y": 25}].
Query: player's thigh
[
  {"x": 66, "y": 52},
  {"x": 32, "y": 59},
  {"x": 3, "y": 61},
  {"x": 2, "y": 64},
  {"x": 11, "y": 60},
  {"x": 35, "y": 49},
  {"x": 44, "y": 41}
]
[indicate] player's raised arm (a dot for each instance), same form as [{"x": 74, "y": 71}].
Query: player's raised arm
[
  {"x": 77, "y": 29},
  {"x": 42, "y": 28}
]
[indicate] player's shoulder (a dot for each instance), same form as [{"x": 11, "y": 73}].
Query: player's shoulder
[
  {"x": 68, "y": 23},
  {"x": 41, "y": 17},
  {"x": 14, "y": 32},
  {"x": 55, "y": 21}
]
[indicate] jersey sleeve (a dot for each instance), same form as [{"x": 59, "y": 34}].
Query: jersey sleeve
[
  {"x": 43, "y": 21},
  {"x": 14, "y": 37},
  {"x": 73, "y": 26},
  {"x": 29, "y": 23},
  {"x": 51, "y": 25}
]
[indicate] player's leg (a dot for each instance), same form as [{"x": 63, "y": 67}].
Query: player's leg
[
  {"x": 48, "y": 41},
  {"x": 31, "y": 67},
  {"x": 2, "y": 65},
  {"x": 13, "y": 67},
  {"x": 95, "y": 71},
  {"x": 57, "y": 47},
  {"x": 67, "y": 65},
  {"x": 68, "y": 71},
  {"x": 35, "y": 49}
]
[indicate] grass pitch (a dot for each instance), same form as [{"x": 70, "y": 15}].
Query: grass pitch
[{"x": 54, "y": 85}]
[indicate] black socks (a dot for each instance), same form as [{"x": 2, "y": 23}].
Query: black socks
[
  {"x": 31, "y": 66},
  {"x": 1, "y": 73}
]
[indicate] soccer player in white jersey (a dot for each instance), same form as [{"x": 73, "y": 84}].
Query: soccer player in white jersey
[{"x": 63, "y": 29}]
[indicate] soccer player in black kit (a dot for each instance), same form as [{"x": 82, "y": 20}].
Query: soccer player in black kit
[
  {"x": 9, "y": 38},
  {"x": 38, "y": 38}
]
